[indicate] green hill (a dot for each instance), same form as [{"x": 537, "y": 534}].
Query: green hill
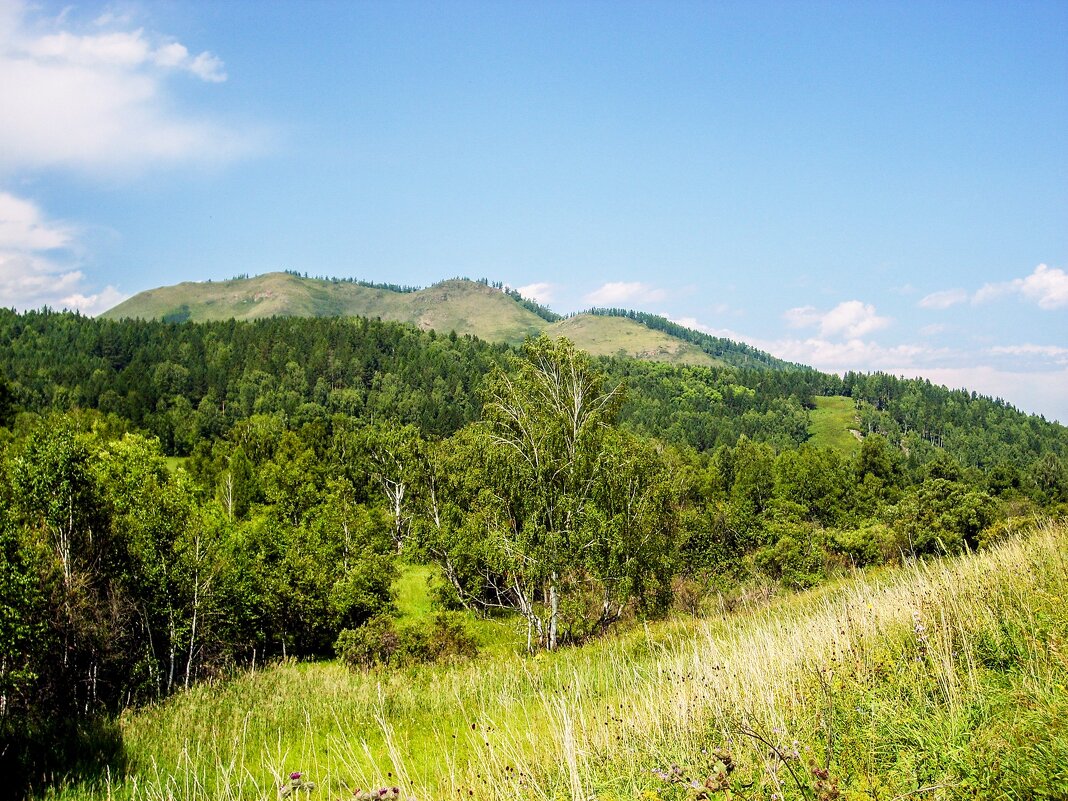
[
  {"x": 460, "y": 305},
  {"x": 467, "y": 307}
]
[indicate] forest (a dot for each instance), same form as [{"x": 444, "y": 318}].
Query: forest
[{"x": 181, "y": 500}]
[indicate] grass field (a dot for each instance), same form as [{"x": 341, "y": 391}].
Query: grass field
[
  {"x": 831, "y": 423},
  {"x": 612, "y": 336},
  {"x": 938, "y": 680}
]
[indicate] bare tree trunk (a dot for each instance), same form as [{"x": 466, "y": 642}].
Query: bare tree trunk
[
  {"x": 228, "y": 495},
  {"x": 554, "y": 609},
  {"x": 173, "y": 638},
  {"x": 196, "y": 609}
]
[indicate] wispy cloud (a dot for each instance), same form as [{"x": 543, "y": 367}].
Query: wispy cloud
[
  {"x": 1037, "y": 392},
  {"x": 943, "y": 299},
  {"x": 850, "y": 319},
  {"x": 1054, "y": 353},
  {"x": 1033, "y": 377},
  {"x": 624, "y": 292},
  {"x": 92, "y": 99},
  {"x": 1046, "y": 287},
  {"x": 696, "y": 325},
  {"x": 850, "y": 354},
  {"x": 95, "y": 100},
  {"x": 38, "y": 263}
]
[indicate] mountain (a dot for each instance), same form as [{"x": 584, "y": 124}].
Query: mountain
[
  {"x": 460, "y": 305},
  {"x": 466, "y": 307}
]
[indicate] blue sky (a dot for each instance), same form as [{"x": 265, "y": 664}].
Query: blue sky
[{"x": 871, "y": 186}]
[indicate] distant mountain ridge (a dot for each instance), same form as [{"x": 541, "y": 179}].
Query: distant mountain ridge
[{"x": 490, "y": 312}]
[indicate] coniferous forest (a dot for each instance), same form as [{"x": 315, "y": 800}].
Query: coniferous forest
[{"x": 182, "y": 500}]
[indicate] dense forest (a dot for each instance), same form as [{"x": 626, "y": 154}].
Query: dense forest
[{"x": 182, "y": 499}]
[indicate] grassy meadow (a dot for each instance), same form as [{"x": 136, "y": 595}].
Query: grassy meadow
[
  {"x": 611, "y": 336},
  {"x": 831, "y": 425},
  {"x": 937, "y": 680}
]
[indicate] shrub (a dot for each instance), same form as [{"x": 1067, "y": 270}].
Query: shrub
[
  {"x": 448, "y": 638},
  {"x": 380, "y": 642},
  {"x": 371, "y": 644}
]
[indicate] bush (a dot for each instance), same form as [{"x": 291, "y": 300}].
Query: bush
[
  {"x": 380, "y": 642},
  {"x": 373, "y": 643},
  {"x": 448, "y": 638},
  {"x": 796, "y": 559},
  {"x": 871, "y": 544}
]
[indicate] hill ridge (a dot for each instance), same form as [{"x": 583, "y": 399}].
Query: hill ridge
[{"x": 489, "y": 310}]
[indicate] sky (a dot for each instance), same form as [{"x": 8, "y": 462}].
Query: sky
[{"x": 848, "y": 185}]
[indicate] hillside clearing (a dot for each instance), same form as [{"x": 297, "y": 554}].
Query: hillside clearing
[{"x": 832, "y": 423}]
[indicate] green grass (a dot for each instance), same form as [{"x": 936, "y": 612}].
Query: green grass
[
  {"x": 832, "y": 423},
  {"x": 412, "y": 595},
  {"x": 938, "y": 680},
  {"x": 174, "y": 462},
  {"x": 612, "y": 336},
  {"x": 498, "y": 636}
]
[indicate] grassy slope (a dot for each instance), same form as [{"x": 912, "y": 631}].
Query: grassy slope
[
  {"x": 466, "y": 307},
  {"x": 831, "y": 425},
  {"x": 609, "y": 336},
  {"x": 940, "y": 680}
]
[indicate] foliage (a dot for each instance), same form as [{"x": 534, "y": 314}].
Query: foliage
[
  {"x": 575, "y": 492},
  {"x": 568, "y": 507},
  {"x": 380, "y": 642}
]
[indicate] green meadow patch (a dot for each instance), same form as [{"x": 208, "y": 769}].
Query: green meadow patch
[{"x": 832, "y": 425}]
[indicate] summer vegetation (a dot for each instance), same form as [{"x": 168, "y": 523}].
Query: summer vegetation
[{"x": 243, "y": 559}]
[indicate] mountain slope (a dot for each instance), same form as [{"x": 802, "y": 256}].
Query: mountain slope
[
  {"x": 613, "y": 336},
  {"x": 460, "y": 305},
  {"x": 466, "y": 307}
]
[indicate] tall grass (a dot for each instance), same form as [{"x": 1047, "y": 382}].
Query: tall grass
[{"x": 939, "y": 680}]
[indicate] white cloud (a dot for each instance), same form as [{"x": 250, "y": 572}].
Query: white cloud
[
  {"x": 95, "y": 303},
  {"x": 1045, "y": 286},
  {"x": 625, "y": 291},
  {"x": 1055, "y": 353},
  {"x": 208, "y": 67},
  {"x": 541, "y": 292},
  {"x": 802, "y": 317},
  {"x": 850, "y": 319},
  {"x": 37, "y": 265},
  {"x": 943, "y": 299},
  {"x": 692, "y": 322},
  {"x": 1040, "y": 390},
  {"x": 96, "y": 101},
  {"x": 850, "y": 354},
  {"x": 989, "y": 292},
  {"x": 23, "y": 227}
]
